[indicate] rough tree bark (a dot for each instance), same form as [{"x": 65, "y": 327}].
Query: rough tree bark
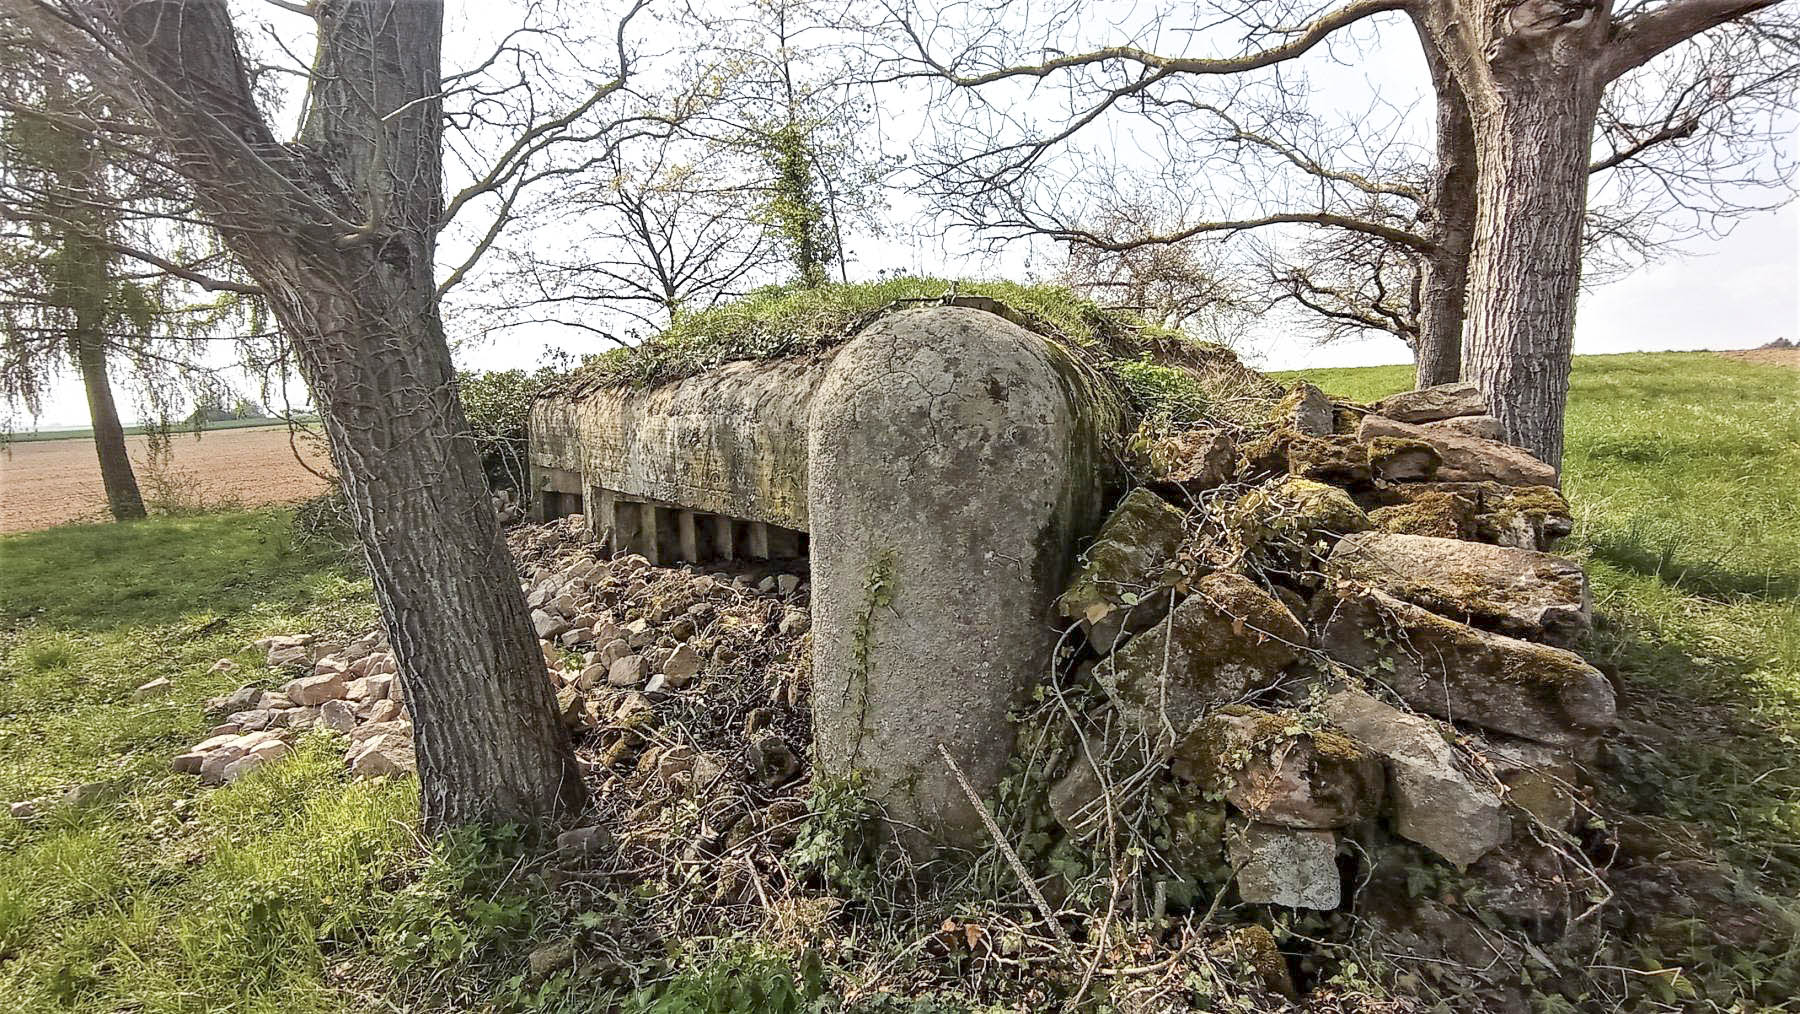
[
  {"x": 339, "y": 230},
  {"x": 1450, "y": 223},
  {"x": 1525, "y": 266},
  {"x": 1534, "y": 72},
  {"x": 122, "y": 496}
]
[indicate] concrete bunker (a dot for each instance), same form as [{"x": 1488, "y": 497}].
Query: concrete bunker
[{"x": 939, "y": 469}]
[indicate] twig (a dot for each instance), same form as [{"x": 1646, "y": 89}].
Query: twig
[{"x": 1012, "y": 858}]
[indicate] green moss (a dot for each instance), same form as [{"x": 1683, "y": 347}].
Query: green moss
[
  {"x": 1437, "y": 513},
  {"x": 1164, "y": 393},
  {"x": 1296, "y": 508}
]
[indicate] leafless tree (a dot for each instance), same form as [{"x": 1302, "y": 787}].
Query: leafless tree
[
  {"x": 1512, "y": 80},
  {"x": 338, "y": 230},
  {"x": 1183, "y": 286}
]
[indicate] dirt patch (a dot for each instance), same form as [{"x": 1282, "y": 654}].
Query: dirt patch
[
  {"x": 52, "y": 482},
  {"x": 1789, "y": 358}
]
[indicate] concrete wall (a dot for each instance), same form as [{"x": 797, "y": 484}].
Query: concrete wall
[
  {"x": 946, "y": 463},
  {"x": 729, "y": 442}
]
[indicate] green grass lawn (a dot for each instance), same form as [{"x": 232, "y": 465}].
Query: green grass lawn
[{"x": 298, "y": 890}]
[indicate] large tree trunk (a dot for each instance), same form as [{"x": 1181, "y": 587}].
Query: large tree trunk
[
  {"x": 340, "y": 230},
  {"x": 122, "y": 495},
  {"x": 1450, "y": 218},
  {"x": 1532, "y": 141}
]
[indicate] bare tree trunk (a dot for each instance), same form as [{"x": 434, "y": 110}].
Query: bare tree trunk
[
  {"x": 340, "y": 230},
  {"x": 1451, "y": 220},
  {"x": 122, "y": 495},
  {"x": 1533, "y": 144}
]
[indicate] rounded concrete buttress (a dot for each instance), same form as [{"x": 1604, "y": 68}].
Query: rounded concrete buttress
[{"x": 954, "y": 462}]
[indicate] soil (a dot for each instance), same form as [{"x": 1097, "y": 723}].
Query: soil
[
  {"x": 52, "y": 482},
  {"x": 1789, "y": 358}
]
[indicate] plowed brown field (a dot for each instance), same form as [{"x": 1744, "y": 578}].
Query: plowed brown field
[{"x": 53, "y": 482}]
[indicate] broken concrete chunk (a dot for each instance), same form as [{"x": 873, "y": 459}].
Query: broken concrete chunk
[
  {"x": 385, "y": 754},
  {"x": 155, "y": 688},
  {"x": 310, "y": 690},
  {"x": 1227, "y": 637},
  {"x": 629, "y": 671},
  {"x": 1285, "y": 866},
  {"x": 1435, "y": 803},
  {"x": 548, "y": 625},
  {"x": 1466, "y": 459},
  {"x": 1275, "y": 771},
  {"x": 338, "y": 716},
  {"x": 1455, "y": 671},
  {"x": 1519, "y": 592},
  {"x": 1429, "y": 404}
]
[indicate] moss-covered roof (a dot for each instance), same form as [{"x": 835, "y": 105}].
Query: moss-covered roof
[{"x": 1162, "y": 371}]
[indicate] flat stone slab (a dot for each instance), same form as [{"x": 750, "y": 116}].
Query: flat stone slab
[
  {"x": 1429, "y": 404},
  {"x": 1519, "y": 592},
  {"x": 1465, "y": 458},
  {"x": 1435, "y": 804},
  {"x": 1285, "y": 866},
  {"x": 1454, "y": 671}
]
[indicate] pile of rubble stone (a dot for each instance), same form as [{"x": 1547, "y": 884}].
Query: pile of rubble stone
[
  {"x": 690, "y": 678},
  {"x": 1348, "y": 629}
]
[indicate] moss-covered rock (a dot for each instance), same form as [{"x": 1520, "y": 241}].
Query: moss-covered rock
[
  {"x": 1435, "y": 513},
  {"x": 1291, "y": 524},
  {"x": 1464, "y": 458},
  {"x": 1120, "y": 584},
  {"x": 1525, "y": 517},
  {"x": 1400, "y": 459},
  {"x": 1306, "y": 410},
  {"x": 1335, "y": 459},
  {"x": 1452, "y": 670},
  {"x": 1226, "y": 638},
  {"x": 1519, "y": 592},
  {"x": 1277, "y": 770}
]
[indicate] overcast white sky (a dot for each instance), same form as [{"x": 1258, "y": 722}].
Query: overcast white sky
[{"x": 1736, "y": 292}]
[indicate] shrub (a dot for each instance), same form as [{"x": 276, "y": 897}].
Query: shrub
[{"x": 498, "y": 405}]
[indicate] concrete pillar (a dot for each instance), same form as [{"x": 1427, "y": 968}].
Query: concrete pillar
[
  {"x": 954, "y": 461},
  {"x": 603, "y": 517},
  {"x": 649, "y": 535},
  {"x": 689, "y": 535},
  {"x": 759, "y": 541}
]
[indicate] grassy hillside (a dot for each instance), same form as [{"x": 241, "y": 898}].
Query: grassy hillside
[{"x": 296, "y": 890}]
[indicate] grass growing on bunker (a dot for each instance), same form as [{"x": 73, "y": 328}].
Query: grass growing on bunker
[{"x": 1162, "y": 371}]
